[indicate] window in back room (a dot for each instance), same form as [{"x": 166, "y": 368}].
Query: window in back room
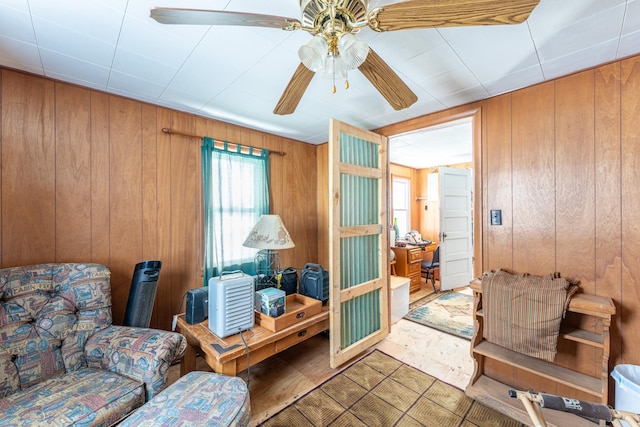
[{"x": 401, "y": 206}]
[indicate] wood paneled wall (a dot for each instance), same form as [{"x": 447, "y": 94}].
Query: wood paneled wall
[
  {"x": 90, "y": 177},
  {"x": 562, "y": 161},
  {"x": 561, "y": 164},
  {"x": 323, "y": 204}
]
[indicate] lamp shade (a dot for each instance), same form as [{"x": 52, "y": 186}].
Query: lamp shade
[
  {"x": 353, "y": 51},
  {"x": 313, "y": 54},
  {"x": 269, "y": 233}
]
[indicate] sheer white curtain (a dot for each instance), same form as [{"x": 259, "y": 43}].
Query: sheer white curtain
[{"x": 236, "y": 194}]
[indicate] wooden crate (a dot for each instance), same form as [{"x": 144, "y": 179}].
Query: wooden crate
[{"x": 298, "y": 307}]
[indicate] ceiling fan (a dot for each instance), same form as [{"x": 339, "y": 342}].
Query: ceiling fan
[{"x": 334, "y": 49}]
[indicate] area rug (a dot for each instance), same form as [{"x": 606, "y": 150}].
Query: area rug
[
  {"x": 379, "y": 390},
  {"x": 449, "y": 312}
]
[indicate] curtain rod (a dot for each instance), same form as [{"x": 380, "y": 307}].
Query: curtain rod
[{"x": 175, "y": 132}]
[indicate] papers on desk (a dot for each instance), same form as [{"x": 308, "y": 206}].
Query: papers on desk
[
  {"x": 414, "y": 238},
  {"x": 423, "y": 244}
]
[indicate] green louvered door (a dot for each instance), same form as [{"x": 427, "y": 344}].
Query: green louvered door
[{"x": 358, "y": 236}]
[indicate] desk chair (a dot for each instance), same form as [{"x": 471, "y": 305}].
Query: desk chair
[{"x": 427, "y": 268}]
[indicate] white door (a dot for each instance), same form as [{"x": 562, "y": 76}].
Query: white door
[
  {"x": 456, "y": 231},
  {"x": 359, "y": 245}
]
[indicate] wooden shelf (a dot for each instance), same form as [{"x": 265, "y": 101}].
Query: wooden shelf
[
  {"x": 585, "y": 337},
  {"x": 594, "y": 309},
  {"x": 544, "y": 369}
]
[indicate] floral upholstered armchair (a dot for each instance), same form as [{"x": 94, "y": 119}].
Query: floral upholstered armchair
[{"x": 62, "y": 362}]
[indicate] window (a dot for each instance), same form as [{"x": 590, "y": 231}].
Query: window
[
  {"x": 236, "y": 194},
  {"x": 401, "y": 212}
]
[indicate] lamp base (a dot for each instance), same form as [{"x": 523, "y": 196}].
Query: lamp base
[
  {"x": 267, "y": 264},
  {"x": 263, "y": 282}
]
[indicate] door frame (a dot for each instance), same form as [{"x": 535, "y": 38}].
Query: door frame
[{"x": 474, "y": 112}]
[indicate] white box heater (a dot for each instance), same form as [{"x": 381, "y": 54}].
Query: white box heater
[{"x": 231, "y": 302}]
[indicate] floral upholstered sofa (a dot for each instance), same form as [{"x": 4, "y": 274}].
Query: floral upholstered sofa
[{"x": 62, "y": 362}]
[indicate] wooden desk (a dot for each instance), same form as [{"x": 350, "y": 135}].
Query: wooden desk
[
  {"x": 408, "y": 259},
  {"x": 228, "y": 355},
  {"x": 430, "y": 248}
]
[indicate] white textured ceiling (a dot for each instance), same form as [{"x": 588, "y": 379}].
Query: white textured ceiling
[
  {"x": 442, "y": 145},
  {"x": 237, "y": 74}
]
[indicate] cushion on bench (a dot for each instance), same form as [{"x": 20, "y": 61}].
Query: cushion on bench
[
  {"x": 197, "y": 399},
  {"x": 523, "y": 312}
]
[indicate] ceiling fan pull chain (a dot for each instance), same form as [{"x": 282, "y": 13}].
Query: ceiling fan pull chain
[{"x": 333, "y": 74}]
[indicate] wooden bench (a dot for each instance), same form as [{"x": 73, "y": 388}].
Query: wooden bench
[{"x": 495, "y": 394}]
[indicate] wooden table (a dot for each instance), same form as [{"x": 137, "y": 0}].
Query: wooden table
[{"x": 228, "y": 355}]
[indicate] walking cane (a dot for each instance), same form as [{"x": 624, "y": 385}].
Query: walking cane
[{"x": 533, "y": 402}]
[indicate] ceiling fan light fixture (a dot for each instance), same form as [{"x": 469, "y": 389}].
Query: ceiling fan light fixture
[
  {"x": 334, "y": 67},
  {"x": 353, "y": 51},
  {"x": 313, "y": 54}
]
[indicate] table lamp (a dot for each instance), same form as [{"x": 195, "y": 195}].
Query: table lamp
[{"x": 268, "y": 234}]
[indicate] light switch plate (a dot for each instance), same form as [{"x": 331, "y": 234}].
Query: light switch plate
[{"x": 496, "y": 217}]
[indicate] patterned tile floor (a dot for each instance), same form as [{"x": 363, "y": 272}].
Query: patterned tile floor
[{"x": 381, "y": 391}]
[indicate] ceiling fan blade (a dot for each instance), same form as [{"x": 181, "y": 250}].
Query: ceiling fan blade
[
  {"x": 451, "y": 13},
  {"x": 394, "y": 90},
  {"x": 168, "y": 15},
  {"x": 294, "y": 90}
]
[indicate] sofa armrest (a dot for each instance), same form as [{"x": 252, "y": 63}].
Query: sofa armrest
[{"x": 139, "y": 353}]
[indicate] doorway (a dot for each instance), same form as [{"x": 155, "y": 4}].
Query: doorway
[
  {"x": 431, "y": 144},
  {"x": 442, "y": 355}
]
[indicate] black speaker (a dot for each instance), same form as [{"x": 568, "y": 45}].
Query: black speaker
[
  {"x": 142, "y": 294},
  {"x": 289, "y": 281},
  {"x": 197, "y": 305},
  {"x": 314, "y": 282}
]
